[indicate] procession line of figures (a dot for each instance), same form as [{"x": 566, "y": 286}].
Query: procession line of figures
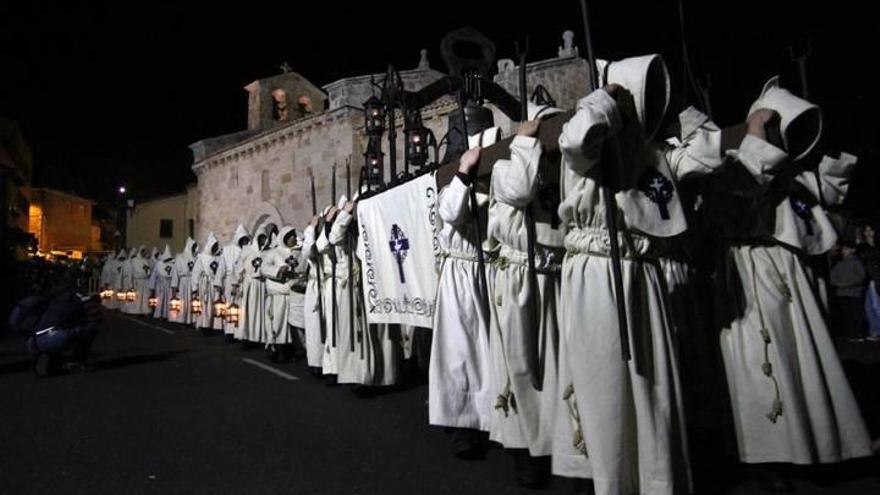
[{"x": 531, "y": 358}]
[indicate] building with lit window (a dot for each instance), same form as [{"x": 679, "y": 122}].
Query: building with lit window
[{"x": 61, "y": 222}]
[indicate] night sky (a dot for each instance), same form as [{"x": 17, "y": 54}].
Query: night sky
[{"x": 112, "y": 93}]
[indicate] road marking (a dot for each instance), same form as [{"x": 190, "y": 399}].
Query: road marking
[
  {"x": 148, "y": 325},
  {"x": 270, "y": 369}
]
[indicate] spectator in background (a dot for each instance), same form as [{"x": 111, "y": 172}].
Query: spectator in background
[
  {"x": 848, "y": 279},
  {"x": 869, "y": 253},
  {"x": 59, "y": 325}
]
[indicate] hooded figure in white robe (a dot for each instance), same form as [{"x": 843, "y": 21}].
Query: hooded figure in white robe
[
  {"x": 252, "y": 321},
  {"x": 181, "y": 282},
  {"x": 329, "y": 255},
  {"x": 126, "y": 281},
  {"x": 109, "y": 278},
  {"x": 160, "y": 283},
  {"x": 525, "y": 356},
  {"x": 790, "y": 398},
  {"x": 205, "y": 283},
  {"x": 137, "y": 275},
  {"x": 226, "y": 274},
  {"x": 628, "y": 414},
  {"x": 459, "y": 369},
  {"x": 279, "y": 268},
  {"x": 154, "y": 257},
  {"x": 312, "y": 307},
  {"x": 382, "y": 355},
  {"x": 119, "y": 283}
]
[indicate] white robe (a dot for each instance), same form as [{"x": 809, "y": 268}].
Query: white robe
[
  {"x": 252, "y": 321},
  {"x": 109, "y": 275},
  {"x": 181, "y": 284},
  {"x": 791, "y": 400},
  {"x": 137, "y": 275},
  {"x": 204, "y": 285},
  {"x": 312, "y": 308},
  {"x": 278, "y": 290},
  {"x": 329, "y": 361},
  {"x": 227, "y": 275},
  {"x": 630, "y": 413},
  {"x": 160, "y": 285},
  {"x": 458, "y": 373},
  {"x": 523, "y": 417}
]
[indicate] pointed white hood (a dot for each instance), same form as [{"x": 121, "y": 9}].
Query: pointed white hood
[
  {"x": 133, "y": 252},
  {"x": 210, "y": 242},
  {"x": 121, "y": 255},
  {"x": 260, "y": 240},
  {"x": 286, "y": 231},
  {"x": 166, "y": 254},
  {"x": 188, "y": 248},
  {"x": 800, "y": 121},
  {"x": 154, "y": 254},
  {"x": 240, "y": 233},
  {"x": 647, "y": 78}
]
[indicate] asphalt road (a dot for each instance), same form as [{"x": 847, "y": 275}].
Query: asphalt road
[{"x": 167, "y": 410}]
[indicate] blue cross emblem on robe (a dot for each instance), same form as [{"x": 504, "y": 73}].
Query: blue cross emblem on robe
[
  {"x": 802, "y": 210},
  {"x": 256, "y": 263},
  {"x": 213, "y": 267},
  {"x": 399, "y": 246},
  {"x": 659, "y": 190},
  {"x": 168, "y": 269}
]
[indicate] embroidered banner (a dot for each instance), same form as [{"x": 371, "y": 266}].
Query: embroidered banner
[{"x": 399, "y": 253}]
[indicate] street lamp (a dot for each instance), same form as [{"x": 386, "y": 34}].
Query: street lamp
[{"x": 121, "y": 189}]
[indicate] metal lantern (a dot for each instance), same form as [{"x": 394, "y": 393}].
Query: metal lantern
[
  {"x": 374, "y": 160},
  {"x": 106, "y": 294},
  {"x": 232, "y": 313},
  {"x": 196, "y": 306},
  {"x": 416, "y": 139},
  {"x": 174, "y": 306},
  {"x": 220, "y": 308},
  {"x": 131, "y": 295},
  {"x": 121, "y": 296},
  {"x": 153, "y": 301},
  {"x": 374, "y": 116}
]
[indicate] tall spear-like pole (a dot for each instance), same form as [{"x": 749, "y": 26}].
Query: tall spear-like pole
[
  {"x": 475, "y": 218},
  {"x": 610, "y": 204},
  {"x": 351, "y": 336},
  {"x": 333, "y": 269},
  {"x": 318, "y": 262},
  {"x": 535, "y": 362}
]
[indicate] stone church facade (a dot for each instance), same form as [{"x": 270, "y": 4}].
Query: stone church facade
[{"x": 296, "y": 129}]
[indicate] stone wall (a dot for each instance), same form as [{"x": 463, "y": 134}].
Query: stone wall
[{"x": 268, "y": 176}]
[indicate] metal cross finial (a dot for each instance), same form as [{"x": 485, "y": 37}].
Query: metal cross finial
[{"x": 285, "y": 68}]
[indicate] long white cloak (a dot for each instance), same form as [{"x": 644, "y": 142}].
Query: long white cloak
[
  {"x": 311, "y": 307},
  {"x": 790, "y": 397},
  {"x": 458, "y": 373}
]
